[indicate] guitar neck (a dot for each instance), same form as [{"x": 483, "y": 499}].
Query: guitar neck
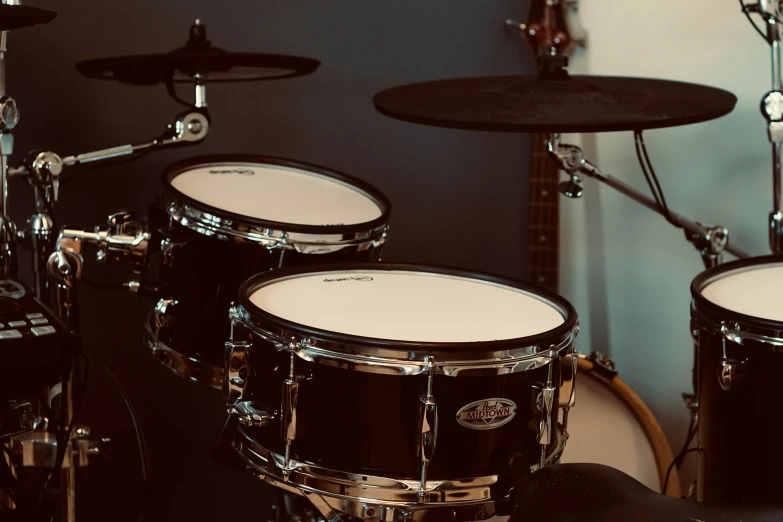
[{"x": 543, "y": 239}]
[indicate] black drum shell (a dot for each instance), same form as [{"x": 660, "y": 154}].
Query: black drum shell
[
  {"x": 204, "y": 275},
  {"x": 367, "y": 423},
  {"x": 741, "y": 460},
  {"x": 740, "y": 428}
]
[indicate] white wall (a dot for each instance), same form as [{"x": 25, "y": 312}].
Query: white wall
[{"x": 625, "y": 269}]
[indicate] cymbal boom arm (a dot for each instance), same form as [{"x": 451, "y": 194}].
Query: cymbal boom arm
[
  {"x": 711, "y": 242},
  {"x": 189, "y": 127}
]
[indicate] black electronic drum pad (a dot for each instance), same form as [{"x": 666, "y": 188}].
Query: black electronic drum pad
[
  {"x": 576, "y": 104},
  {"x": 19, "y": 16},
  {"x": 198, "y": 60},
  {"x": 212, "y": 66}
]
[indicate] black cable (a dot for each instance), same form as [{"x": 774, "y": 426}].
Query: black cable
[
  {"x": 172, "y": 91},
  {"x": 746, "y": 11},
  {"x": 680, "y": 458},
  {"x": 669, "y": 469},
  {"x": 140, "y": 439},
  {"x": 644, "y": 170},
  {"x": 652, "y": 178}
]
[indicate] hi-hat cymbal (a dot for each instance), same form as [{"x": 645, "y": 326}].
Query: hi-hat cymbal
[
  {"x": 575, "y": 104},
  {"x": 19, "y": 16},
  {"x": 197, "y": 60}
]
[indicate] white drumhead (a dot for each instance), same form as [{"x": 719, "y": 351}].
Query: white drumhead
[
  {"x": 603, "y": 430},
  {"x": 408, "y": 306},
  {"x": 277, "y": 193},
  {"x": 754, "y": 290}
]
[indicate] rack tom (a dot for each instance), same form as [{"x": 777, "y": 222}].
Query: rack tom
[
  {"x": 390, "y": 388},
  {"x": 738, "y": 312},
  {"x": 224, "y": 218}
]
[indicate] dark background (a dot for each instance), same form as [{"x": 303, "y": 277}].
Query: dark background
[{"x": 459, "y": 198}]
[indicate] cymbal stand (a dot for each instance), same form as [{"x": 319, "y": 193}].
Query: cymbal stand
[
  {"x": 43, "y": 169},
  {"x": 772, "y": 110},
  {"x": 711, "y": 242}
]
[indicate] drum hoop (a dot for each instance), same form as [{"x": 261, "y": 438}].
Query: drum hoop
[
  {"x": 406, "y": 357},
  {"x": 360, "y": 489},
  {"x": 227, "y": 225},
  {"x": 652, "y": 429},
  {"x": 717, "y": 314}
]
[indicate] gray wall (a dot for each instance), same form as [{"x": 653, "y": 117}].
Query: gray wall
[{"x": 459, "y": 197}]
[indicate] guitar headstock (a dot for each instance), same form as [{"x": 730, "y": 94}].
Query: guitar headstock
[{"x": 553, "y": 27}]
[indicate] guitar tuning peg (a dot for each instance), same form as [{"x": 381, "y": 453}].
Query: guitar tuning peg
[{"x": 516, "y": 24}]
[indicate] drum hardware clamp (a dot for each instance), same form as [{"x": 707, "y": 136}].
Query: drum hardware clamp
[
  {"x": 37, "y": 448},
  {"x": 42, "y": 170},
  {"x": 711, "y": 242}
]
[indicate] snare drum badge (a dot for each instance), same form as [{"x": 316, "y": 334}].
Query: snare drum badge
[{"x": 487, "y": 414}]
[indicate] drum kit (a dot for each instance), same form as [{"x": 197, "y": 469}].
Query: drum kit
[{"x": 367, "y": 390}]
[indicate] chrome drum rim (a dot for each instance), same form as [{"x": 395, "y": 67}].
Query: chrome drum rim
[{"x": 389, "y": 499}]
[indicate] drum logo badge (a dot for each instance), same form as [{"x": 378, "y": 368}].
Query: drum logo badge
[
  {"x": 487, "y": 414},
  {"x": 351, "y": 278},
  {"x": 241, "y": 172}
]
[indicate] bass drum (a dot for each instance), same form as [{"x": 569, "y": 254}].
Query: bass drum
[{"x": 609, "y": 424}]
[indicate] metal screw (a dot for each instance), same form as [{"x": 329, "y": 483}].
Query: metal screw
[{"x": 195, "y": 126}]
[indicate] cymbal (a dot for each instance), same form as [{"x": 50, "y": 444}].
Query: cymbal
[
  {"x": 199, "y": 59},
  {"x": 19, "y": 16},
  {"x": 574, "y": 104}
]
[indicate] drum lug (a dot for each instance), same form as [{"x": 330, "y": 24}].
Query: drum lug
[
  {"x": 728, "y": 369},
  {"x": 571, "y": 396},
  {"x": 288, "y": 409},
  {"x": 163, "y": 312},
  {"x": 428, "y": 431},
  {"x": 168, "y": 250},
  {"x": 234, "y": 380},
  {"x": 545, "y": 404},
  {"x": 725, "y": 373},
  {"x": 248, "y": 415}
]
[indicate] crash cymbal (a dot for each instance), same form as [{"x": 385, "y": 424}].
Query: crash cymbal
[
  {"x": 19, "y": 16},
  {"x": 574, "y": 104},
  {"x": 197, "y": 59}
]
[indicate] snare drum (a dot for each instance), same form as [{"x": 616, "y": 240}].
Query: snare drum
[
  {"x": 738, "y": 307},
  {"x": 224, "y": 218},
  {"x": 406, "y": 390}
]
